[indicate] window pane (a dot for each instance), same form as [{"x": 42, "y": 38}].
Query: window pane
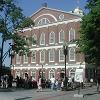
[
  {"x": 72, "y": 54},
  {"x": 52, "y": 38},
  {"x": 51, "y": 55}
]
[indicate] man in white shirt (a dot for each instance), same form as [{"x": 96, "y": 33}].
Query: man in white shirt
[{"x": 52, "y": 82}]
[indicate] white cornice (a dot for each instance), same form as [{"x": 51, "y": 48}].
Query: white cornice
[
  {"x": 52, "y": 24},
  {"x": 52, "y": 47}
]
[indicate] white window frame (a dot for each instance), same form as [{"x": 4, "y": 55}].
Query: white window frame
[
  {"x": 42, "y": 53},
  {"x": 74, "y": 55},
  {"x": 51, "y": 73},
  {"x": 42, "y": 39},
  {"x": 24, "y": 58},
  {"x": 18, "y": 59},
  {"x": 35, "y": 38},
  {"x": 52, "y": 36},
  {"x": 52, "y": 52},
  {"x": 61, "y": 54},
  {"x": 60, "y": 36},
  {"x": 33, "y": 72},
  {"x": 70, "y": 34},
  {"x": 32, "y": 57},
  {"x": 46, "y": 21}
]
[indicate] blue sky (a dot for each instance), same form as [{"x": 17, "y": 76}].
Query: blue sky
[{"x": 30, "y": 6}]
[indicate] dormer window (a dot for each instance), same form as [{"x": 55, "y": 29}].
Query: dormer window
[{"x": 43, "y": 21}]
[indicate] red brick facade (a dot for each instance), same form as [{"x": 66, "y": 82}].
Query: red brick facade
[{"x": 69, "y": 21}]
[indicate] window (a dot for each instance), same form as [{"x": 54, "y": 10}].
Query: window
[
  {"x": 72, "y": 54},
  {"x": 61, "y": 17},
  {"x": 42, "y": 39},
  {"x": 51, "y": 55},
  {"x": 33, "y": 74},
  {"x": 71, "y": 34},
  {"x": 17, "y": 73},
  {"x": 18, "y": 59},
  {"x": 61, "y": 55},
  {"x": 43, "y": 21},
  {"x": 33, "y": 57},
  {"x": 34, "y": 37},
  {"x": 61, "y": 36},
  {"x": 42, "y": 56},
  {"x": 25, "y": 58},
  {"x": 51, "y": 73},
  {"x": 52, "y": 38},
  {"x": 72, "y": 73}
]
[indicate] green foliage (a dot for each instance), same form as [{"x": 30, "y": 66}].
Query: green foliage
[
  {"x": 11, "y": 20},
  {"x": 90, "y": 33}
]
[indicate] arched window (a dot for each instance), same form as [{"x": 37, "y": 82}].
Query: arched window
[
  {"x": 51, "y": 55},
  {"x": 42, "y": 39},
  {"x": 25, "y": 58},
  {"x": 61, "y": 36},
  {"x": 42, "y": 56},
  {"x": 17, "y": 73},
  {"x": 34, "y": 37},
  {"x": 33, "y": 57},
  {"x": 33, "y": 75},
  {"x": 61, "y": 55},
  {"x": 72, "y": 73},
  {"x": 43, "y": 21},
  {"x": 18, "y": 59},
  {"x": 71, "y": 34},
  {"x": 52, "y": 38},
  {"x": 51, "y": 73},
  {"x": 71, "y": 54}
]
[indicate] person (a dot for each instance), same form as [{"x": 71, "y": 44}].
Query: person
[
  {"x": 52, "y": 82},
  {"x": 39, "y": 84}
]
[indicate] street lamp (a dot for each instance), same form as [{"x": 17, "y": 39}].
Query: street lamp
[
  {"x": 65, "y": 49},
  {"x": 11, "y": 54}
]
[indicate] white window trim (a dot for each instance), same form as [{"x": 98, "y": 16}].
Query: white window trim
[
  {"x": 43, "y": 37},
  {"x": 49, "y": 55},
  {"x": 34, "y": 38},
  {"x": 59, "y": 56},
  {"x": 44, "y": 56},
  {"x": 53, "y": 71},
  {"x": 50, "y": 38},
  {"x": 70, "y": 33},
  {"x": 60, "y": 37},
  {"x": 25, "y": 62},
  {"x": 74, "y": 54},
  {"x": 18, "y": 58},
  {"x": 32, "y": 57}
]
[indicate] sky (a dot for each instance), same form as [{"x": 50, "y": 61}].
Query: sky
[{"x": 31, "y": 6}]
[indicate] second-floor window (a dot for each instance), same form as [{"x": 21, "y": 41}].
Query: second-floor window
[
  {"x": 33, "y": 57},
  {"x": 51, "y": 55},
  {"x": 42, "y": 39},
  {"x": 34, "y": 37},
  {"x": 61, "y": 36},
  {"x": 52, "y": 38},
  {"x": 71, "y": 34},
  {"x": 25, "y": 58},
  {"x": 42, "y": 56},
  {"x": 61, "y": 55},
  {"x": 18, "y": 59},
  {"x": 71, "y": 54}
]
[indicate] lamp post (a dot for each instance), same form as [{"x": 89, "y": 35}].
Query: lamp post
[
  {"x": 11, "y": 54},
  {"x": 65, "y": 49}
]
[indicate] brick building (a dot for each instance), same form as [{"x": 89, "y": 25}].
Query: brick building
[{"x": 52, "y": 28}]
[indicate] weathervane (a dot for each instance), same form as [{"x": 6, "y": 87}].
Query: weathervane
[{"x": 78, "y": 1}]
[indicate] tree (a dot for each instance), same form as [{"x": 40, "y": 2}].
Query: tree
[
  {"x": 90, "y": 33},
  {"x": 90, "y": 36},
  {"x": 12, "y": 20}
]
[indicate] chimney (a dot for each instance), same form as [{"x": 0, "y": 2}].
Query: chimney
[{"x": 44, "y": 4}]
